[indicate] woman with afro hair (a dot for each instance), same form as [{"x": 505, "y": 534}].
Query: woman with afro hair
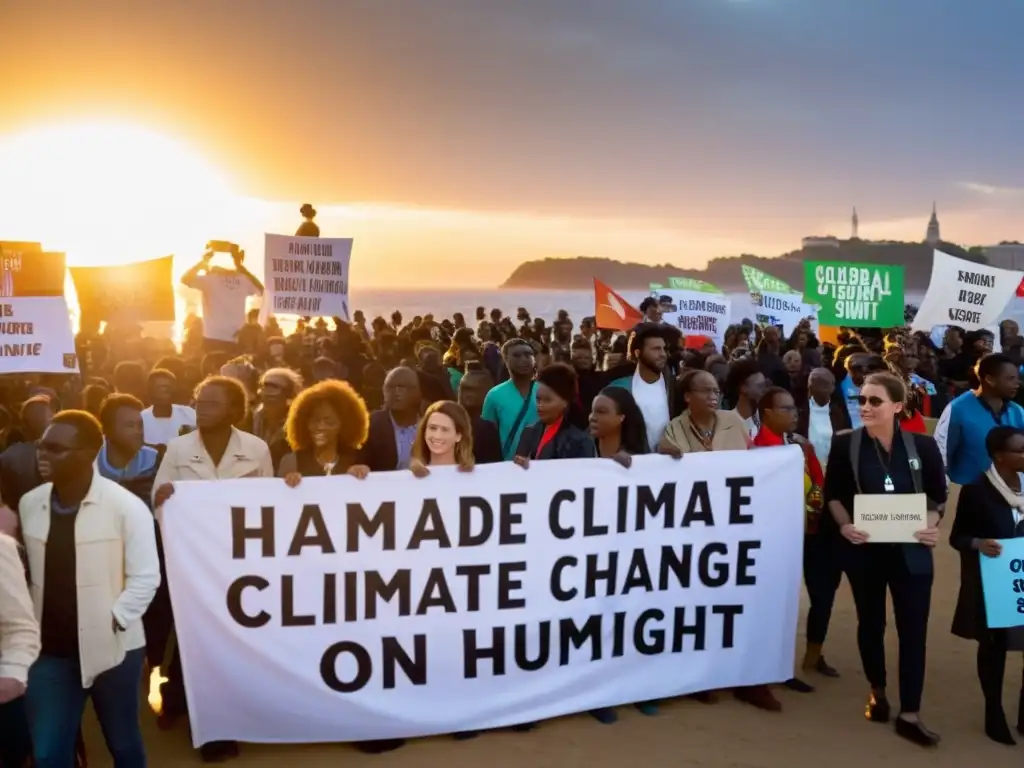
[{"x": 326, "y": 426}]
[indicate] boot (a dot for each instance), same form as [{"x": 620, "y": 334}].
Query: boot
[{"x": 995, "y": 725}]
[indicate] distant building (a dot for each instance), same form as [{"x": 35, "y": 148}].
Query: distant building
[
  {"x": 1005, "y": 255},
  {"x": 828, "y": 241},
  {"x": 854, "y": 225},
  {"x": 932, "y": 236}
]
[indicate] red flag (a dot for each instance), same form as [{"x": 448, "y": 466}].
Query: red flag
[
  {"x": 611, "y": 311},
  {"x": 1020, "y": 289}
]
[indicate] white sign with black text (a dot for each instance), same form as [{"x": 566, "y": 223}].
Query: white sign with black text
[{"x": 399, "y": 607}]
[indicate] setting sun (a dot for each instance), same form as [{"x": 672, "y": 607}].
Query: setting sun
[{"x": 107, "y": 193}]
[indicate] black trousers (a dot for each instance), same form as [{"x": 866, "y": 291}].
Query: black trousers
[
  {"x": 822, "y": 575},
  {"x": 873, "y": 569},
  {"x": 992, "y": 648},
  {"x": 15, "y": 747}
]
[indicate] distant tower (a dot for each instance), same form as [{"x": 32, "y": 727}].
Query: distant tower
[
  {"x": 932, "y": 236},
  {"x": 854, "y": 222}
]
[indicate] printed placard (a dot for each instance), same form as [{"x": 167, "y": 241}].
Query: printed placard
[
  {"x": 855, "y": 295},
  {"x": 890, "y": 518},
  {"x": 972, "y": 296},
  {"x": 1002, "y": 581},
  {"x": 306, "y": 276}
]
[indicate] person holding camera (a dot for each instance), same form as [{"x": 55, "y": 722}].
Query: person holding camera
[{"x": 224, "y": 294}]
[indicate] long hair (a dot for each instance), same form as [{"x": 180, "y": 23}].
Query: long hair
[
  {"x": 634, "y": 429},
  {"x": 463, "y": 428}
]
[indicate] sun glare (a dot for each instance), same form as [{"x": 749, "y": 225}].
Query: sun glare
[{"x": 108, "y": 193}]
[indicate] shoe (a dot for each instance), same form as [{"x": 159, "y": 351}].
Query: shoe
[
  {"x": 759, "y": 696},
  {"x": 822, "y": 668},
  {"x": 705, "y": 697},
  {"x": 916, "y": 733},
  {"x": 996, "y": 727},
  {"x": 218, "y": 751},
  {"x": 604, "y": 715},
  {"x": 877, "y": 709},
  {"x": 648, "y": 708},
  {"x": 465, "y": 735},
  {"x": 798, "y": 685},
  {"x": 380, "y": 746}
]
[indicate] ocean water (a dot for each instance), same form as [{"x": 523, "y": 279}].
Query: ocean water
[{"x": 538, "y": 303}]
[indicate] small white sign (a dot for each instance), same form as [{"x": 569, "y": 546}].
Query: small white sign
[{"x": 890, "y": 518}]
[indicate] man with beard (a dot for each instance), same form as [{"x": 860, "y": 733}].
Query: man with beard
[
  {"x": 217, "y": 450},
  {"x": 393, "y": 428},
  {"x": 512, "y": 405},
  {"x": 650, "y": 382}
]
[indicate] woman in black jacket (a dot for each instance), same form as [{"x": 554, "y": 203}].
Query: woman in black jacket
[
  {"x": 990, "y": 509},
  {"x": 554, "y": 436}
]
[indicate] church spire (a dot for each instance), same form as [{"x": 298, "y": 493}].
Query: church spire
[
  {"x": 932, "y": 236},
  {"x": 854, "y": 222}
]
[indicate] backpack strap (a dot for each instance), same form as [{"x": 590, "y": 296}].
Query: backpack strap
[
  {"x": 915, "y": 460},
  {"x": 856, "y": 437}
]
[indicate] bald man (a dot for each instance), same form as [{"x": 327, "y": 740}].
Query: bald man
[
  {"x": 822, "y": 413},
  {"x": 393, "y": 428}
]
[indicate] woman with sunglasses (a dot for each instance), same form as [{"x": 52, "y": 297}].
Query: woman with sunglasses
[
  {"x": 987, "y": 510},
  {"x": 878, "y": 458}
]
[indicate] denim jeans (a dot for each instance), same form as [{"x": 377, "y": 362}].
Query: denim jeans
[{"x": 56, "y": 701}]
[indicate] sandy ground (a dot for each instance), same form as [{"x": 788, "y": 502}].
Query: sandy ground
[{"x": 823, "y": 728}]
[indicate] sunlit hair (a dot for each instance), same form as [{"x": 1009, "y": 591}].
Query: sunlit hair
[
  {"x": 343, "y": 400},
  {"x": 893, "y": 385},
  {"x": 463, "y": 428},
  {"x": 294, "y": 379}
]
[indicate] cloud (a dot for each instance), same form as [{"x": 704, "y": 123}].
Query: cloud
[{"x": 991, "y": 190}]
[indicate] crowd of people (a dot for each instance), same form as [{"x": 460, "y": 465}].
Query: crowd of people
[{"x": 88, "y": 463}]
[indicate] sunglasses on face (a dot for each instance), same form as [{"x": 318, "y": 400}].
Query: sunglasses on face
[{"x": 873, "y": 401}]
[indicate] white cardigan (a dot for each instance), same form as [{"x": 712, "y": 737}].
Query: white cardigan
[{"x": 117, "y": 568}]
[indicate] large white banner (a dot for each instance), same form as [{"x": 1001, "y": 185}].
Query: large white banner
[
  {"x": 960, "y": 292},
  {"x": 399, "y": 607},
  {"x": 306, "y": 276},
  {"x": 35, "y": 335}
]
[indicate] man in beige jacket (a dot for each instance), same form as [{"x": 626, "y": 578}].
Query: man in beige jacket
[{"x": 19, "y": 648}]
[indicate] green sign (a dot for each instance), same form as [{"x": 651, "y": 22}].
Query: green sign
[
  {"x": 855, "y": 295},
  {"x": 690, "y": 284},
  {"x": 762, "y": 282}
]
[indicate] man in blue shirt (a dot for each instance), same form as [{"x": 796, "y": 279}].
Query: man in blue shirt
[
  {"x": 974, "y": 414},
  {"x": 858, "y": 365},
  {"x": 512, "y": 405}
]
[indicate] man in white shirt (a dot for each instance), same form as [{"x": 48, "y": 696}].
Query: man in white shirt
[
  {"x": 816, "y": 421},
  {"x": 649, "y": 384},
  {"x": 164, "y": 420},
  {"x": 224, "y": 296}
]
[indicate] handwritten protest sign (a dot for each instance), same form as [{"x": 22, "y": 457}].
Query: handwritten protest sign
[
  {"x": 396, "y": 607},
  {"x": 35, "y": 327},
  {"x": 855, "y": 295},
  {"x": 965, "y": 294},
  {"x": 1002, "y": 581},
  {"x": 697, "y": 309},
  {"x": 306, "y": 276}
]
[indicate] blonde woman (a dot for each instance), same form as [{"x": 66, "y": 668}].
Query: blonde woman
[{"x": 444, "y": 438}]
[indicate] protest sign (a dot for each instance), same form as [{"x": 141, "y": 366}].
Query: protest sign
[
  {"x": 398, "y": 607},
  {"x": 1002, "y": 582},
  {"x": 697, "y": 308},
  {"x": 306, "y": 276},
  {"x": 776, "y": 302},
  {"x": 35, "y": 327},
  {"x": 966, "y": 294},
  {"x": 855, "y": 295},
  {"x": 890, "y": 519},
  {"x": 140, "y": 291}
]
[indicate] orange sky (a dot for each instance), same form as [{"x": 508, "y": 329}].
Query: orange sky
[{"x": 451, "y": 139}]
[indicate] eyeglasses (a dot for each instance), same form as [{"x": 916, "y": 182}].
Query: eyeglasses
[{"x": 873, "y": 401}]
